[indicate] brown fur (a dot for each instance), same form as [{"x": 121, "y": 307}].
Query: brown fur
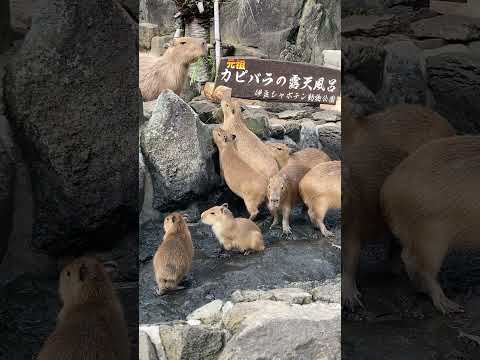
[
  {"x": 233, "y": 233},
  {"x": 283, "y": 193},
  {"x": 240, "y": 177},
  {"x": 310, "y": 157},
  {"x": 251, "y": 149},
  {"x": 432, "y": 204},
  {"x": 320, "y": 190},
  {"x": 170, "y": 70},
  {"x": 280, "y": 152},
  {"x": 91, "y": 324},
  {"x": 373, "y": 146},
  {"x": 173, "y": 259}
]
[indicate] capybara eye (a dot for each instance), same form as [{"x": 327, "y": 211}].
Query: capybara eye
[
  {"x": 183, "y": 42},
  {"x": 68, "y": 273},
  {"x": 212, "y": 213}
]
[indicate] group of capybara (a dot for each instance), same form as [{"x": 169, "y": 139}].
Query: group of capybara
[
  {"x": 406, "y": 173},
  {"x": 256, "y": 172}
]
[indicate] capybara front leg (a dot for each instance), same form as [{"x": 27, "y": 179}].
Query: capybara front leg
[
  {"x": 350, "y": 258},
  {"x": 286, "y": 220}
]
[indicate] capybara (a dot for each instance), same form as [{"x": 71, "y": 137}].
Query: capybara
[
  {"x": 170, "y": 70},
  {"x": 240, "y": 177},
  {"x": 310, "y": 157},
  {"x": 283, "y": 193},
  {"x": 173, "y": 259},
  {"x": 233, "y": 233},
  {"x": 251, "y": 149},
  {"x": 91, "y": 323},
  {"x": 431, "y": 203},
  {"x": 281, "y": 153},
  {"x": 321, "y": 190},
  {"x": 372, "y": 147}
]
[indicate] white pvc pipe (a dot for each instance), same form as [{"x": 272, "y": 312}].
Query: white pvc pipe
[{"x": 218, "y": 44}]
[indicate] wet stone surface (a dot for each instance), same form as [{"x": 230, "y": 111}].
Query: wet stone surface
[{"x": 304, "y": 257}]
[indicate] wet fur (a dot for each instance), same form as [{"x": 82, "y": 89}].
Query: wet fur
[{"x": 91, "y": 323}]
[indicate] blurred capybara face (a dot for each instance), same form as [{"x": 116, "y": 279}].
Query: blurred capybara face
[
  {"x": 281, "y": 152},
  {"x": 276, "y": 189},
  {"x": 222, "y": 137},
  {"x": 188, "y": 49},
  {"x": 173, "y": 222},
  {"x": 215, "y": 214},
  {"x": 77, "y": 274},
  {"x": 230, "y": 108}
]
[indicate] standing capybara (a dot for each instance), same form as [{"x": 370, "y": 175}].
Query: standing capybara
[
  {"x": 283, "y": 193},
  {"x": 310, "y": 157},
  {"x": 280, "y": 152},
  {"x": 233, "y": 233},
  {"x": 240, "y": 177},
  {"x": 173, "y": 259},
  {"x": 170, "y": 70},
  {"x": 251, "y": 149},
  {"x": 372, "y": 147},
  {"x": 432, "y": 204},
  {"x": 91, "y": 323},
  {"x": 320, "y": 190}
]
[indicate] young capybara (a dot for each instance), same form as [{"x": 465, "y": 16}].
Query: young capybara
[
  {"x": 283, "y": 193},
  {"x": 173, "y": 259},
  {"x": 321, "y": 190},
  {"x": 280, "y": 152},
  {"x": 233, "y": 233},
  {"x": 170, "y": 70},
  {"x": 240, "y": 177},
  {"x": 251, "y": 149},
  {"x": 91, "y": 323},
  {"x": 310, "y": 157},
  {"x": 372, "y": 147},
  {"x": 432, "y": 204}
]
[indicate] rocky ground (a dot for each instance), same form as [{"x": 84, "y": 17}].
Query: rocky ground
[{"x": 394, "y": 52}]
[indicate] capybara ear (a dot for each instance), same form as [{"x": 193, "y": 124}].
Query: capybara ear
[
  {"x": 110, "y": 267},
  {"x": 185, "y": 217},
  {"x": 225, "y": 205},
  {"x": 169, "y": 44}
]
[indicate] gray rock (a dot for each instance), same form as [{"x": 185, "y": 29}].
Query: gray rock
[
  {"x": 292, "y": 296},
  {"x": 370, "y": 25},
  {"x": 250, "y": 295},
  {"x": 7, "y": 176},
  {"x": 148, "y": 108},
  {"x": 454, "y": 80},
  {"x": 452, "y": 48},
  {"x": 146, "y": 33},
  {"x": 157, "y": 44},
  {"x": 242, "y": 50},
  {"x": 300, "y": 332},
  {"x": 206, "y": 110},
  {"x": 141, "y": 179},
  {"x": 448, "y": 27},
  {"x": 332, "y": 58},
  {"x": 330, "y": 138},
  {"x": 363, "y": 99},
  {"x": 403, "y": 79},
  {"x": 146, "y": 349},
  {"x": 292, "y": 114},
  {"x": 329, "y": 291},
  {"x": 257, "y": 121},
  {"x": 475, "y": 47},
  {"x": 71, "y": 134},
  {"x": 327, "y": 116},
  {"x": 186, "y": 342},
  {"x": 277, "y": 131},
  {"x": 366, "y": 61},
  {"x": 158, "y": 12},
  {"x": 309, "y": 135},
  {"x": 427, "y": 44},
  {"x": 178, "y": 152},
  {"x": 208, "y": 313}
]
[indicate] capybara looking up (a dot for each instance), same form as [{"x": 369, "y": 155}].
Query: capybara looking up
[
  {"x": 250, "y": 148},
  {"x": 91, "y": 323},
  {"x": 280, "y": 152},
  {"x": 240, "y": 177},
  {"x": 170, "y": 70},
  {"x": 283, "y": 194},
  {"x": 233, "y": 233},
  {"x": 173, "y": 259},
  {"x": 432, "y": 204},
  {"x": 321, "y": 190}
]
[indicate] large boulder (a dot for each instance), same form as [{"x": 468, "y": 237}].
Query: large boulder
[
  {"x": 448, "y": 27},
  {"x": 77, "y": 120},
  {"x": 454, "y": 80},
  {"x": 178, "y": 152},
  {"x": 299, "y": 331}
]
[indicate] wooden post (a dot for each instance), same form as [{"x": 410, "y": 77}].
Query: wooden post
[{"x": 218, "y": 44}]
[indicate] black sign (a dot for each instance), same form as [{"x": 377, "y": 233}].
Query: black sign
[{"x": 272, "y": 80}]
